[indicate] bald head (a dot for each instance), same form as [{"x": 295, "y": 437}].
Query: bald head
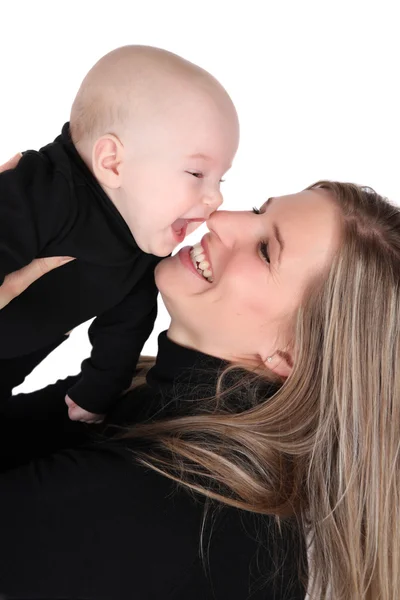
[{"x": 135, "y": 83}]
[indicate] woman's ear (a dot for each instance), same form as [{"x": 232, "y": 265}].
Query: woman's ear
[
  {"x": 280, "y": 363},
  {"x": 107, "y": 158}
]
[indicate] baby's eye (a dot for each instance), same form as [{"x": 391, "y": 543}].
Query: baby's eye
[
  {"x": 256, "y": 210},
  {"x": 196, "y": 174},
  {"x": 263, "y": 248}
]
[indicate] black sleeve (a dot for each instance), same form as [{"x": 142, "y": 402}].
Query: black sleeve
[
  {"x": 30, "y": 211},
  {"x": 117, "y": 336},
  {"x": 35, "y": 424}
]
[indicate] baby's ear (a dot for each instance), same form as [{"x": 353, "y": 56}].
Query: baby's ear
[
  {"x": 280, "y": 363},
  {"x": 107, "y": 156}
]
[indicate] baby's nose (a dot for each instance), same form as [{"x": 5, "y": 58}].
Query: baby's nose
[{"x": 213, "y": 200}]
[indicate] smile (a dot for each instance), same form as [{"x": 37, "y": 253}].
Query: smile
[{"x": 200, "y": 263}]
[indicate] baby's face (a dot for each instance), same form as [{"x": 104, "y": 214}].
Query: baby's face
[{"x": 172, "y": 172}]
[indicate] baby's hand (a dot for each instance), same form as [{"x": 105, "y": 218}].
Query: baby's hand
[{"x": 76, "y": 413}]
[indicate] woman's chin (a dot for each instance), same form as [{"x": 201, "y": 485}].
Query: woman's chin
[
  {"x": 175, "y": 278},
  {"x": 167, "y": 283},
  {"x": 161, "y": 272}
]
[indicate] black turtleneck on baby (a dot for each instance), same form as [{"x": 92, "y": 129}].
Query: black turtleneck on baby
[
  {"x": 80, "y": 518},
  {"x": 52, "y": 205}
]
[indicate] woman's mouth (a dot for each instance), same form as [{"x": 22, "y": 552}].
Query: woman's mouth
[{"x": 200, "y": 262}]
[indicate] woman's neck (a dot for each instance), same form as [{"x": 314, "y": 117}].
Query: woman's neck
[{"x": 180, "y": 335}]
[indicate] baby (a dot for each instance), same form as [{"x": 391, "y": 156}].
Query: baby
[{"x": 137, "y": 168}]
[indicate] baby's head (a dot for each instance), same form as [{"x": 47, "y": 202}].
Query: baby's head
[{"x": 158, "y": 133}]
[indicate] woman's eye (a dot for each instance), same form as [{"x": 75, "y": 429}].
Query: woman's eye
[
  {"x": 196, "y": 174},
  {"x": 263, "y": 247}
]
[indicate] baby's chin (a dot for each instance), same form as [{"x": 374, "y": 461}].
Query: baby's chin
[
  {"x": 155, "y": 243},
  {"x": 161, "y": 247}
]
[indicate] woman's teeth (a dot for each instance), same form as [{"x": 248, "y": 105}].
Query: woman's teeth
[{"x": 201, "y": 265}]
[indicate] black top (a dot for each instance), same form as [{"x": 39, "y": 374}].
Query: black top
[
  {"x": 51, "y": 205},
  {"x": 80, "y": 519}
]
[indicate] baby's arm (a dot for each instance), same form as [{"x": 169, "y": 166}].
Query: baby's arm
[{"x": 117, "y": 336}]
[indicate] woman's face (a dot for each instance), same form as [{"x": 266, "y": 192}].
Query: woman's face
[{"x": 260, "y": 266}]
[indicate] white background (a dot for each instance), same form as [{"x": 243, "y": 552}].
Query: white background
[{"x": 316, "y": 85}]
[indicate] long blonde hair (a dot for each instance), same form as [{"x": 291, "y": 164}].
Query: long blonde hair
[{"x": 325, "y": 446}]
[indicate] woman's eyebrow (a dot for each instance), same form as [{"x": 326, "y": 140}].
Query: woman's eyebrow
[
  {"x": 266, "y": 204},
  {"x": 279, "y": 239}
]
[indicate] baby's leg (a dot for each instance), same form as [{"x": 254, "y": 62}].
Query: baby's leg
[{"x": 13, "y": 371}]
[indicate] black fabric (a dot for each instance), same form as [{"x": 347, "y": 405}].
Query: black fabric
[
  {"x": 51, "y": 205},
  {"x": 80, "y": 518},
  {"x": 15, "y": 370}
]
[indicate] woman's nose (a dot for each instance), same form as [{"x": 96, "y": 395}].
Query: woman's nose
[{"x": 231, "y": 226}]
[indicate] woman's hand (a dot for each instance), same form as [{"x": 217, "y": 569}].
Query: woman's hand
[
  {"x": 11, "y": 164},
  {"x": 15, "y": 283}
]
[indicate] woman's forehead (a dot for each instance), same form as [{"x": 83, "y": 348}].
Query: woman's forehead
[{"x": 308, "y": 223}]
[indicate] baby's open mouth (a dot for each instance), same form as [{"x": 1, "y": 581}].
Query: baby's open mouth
[
  {"x": 179, "y": 228},
  {"x": 200, "y": 263}
]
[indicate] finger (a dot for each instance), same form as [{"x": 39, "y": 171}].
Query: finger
[
  {"x": 77, "y": 414},
  {"x": 6, "y": 295},
  {"x": 11, "y": 164},
  {"x": 70, "y": 403},
  {"x": 16, "y": 283},
  {"x": 72, "y": 415},
  {"x": 40, "y": 266},
  {"x": 90, "y": 418}
]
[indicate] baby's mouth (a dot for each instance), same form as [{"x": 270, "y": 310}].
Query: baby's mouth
[
  {"x": 179, "y": 228},
  {"x": 200, "y": 262}
]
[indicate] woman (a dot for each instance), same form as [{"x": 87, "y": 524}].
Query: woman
[{"x": 305, "y": 294}]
